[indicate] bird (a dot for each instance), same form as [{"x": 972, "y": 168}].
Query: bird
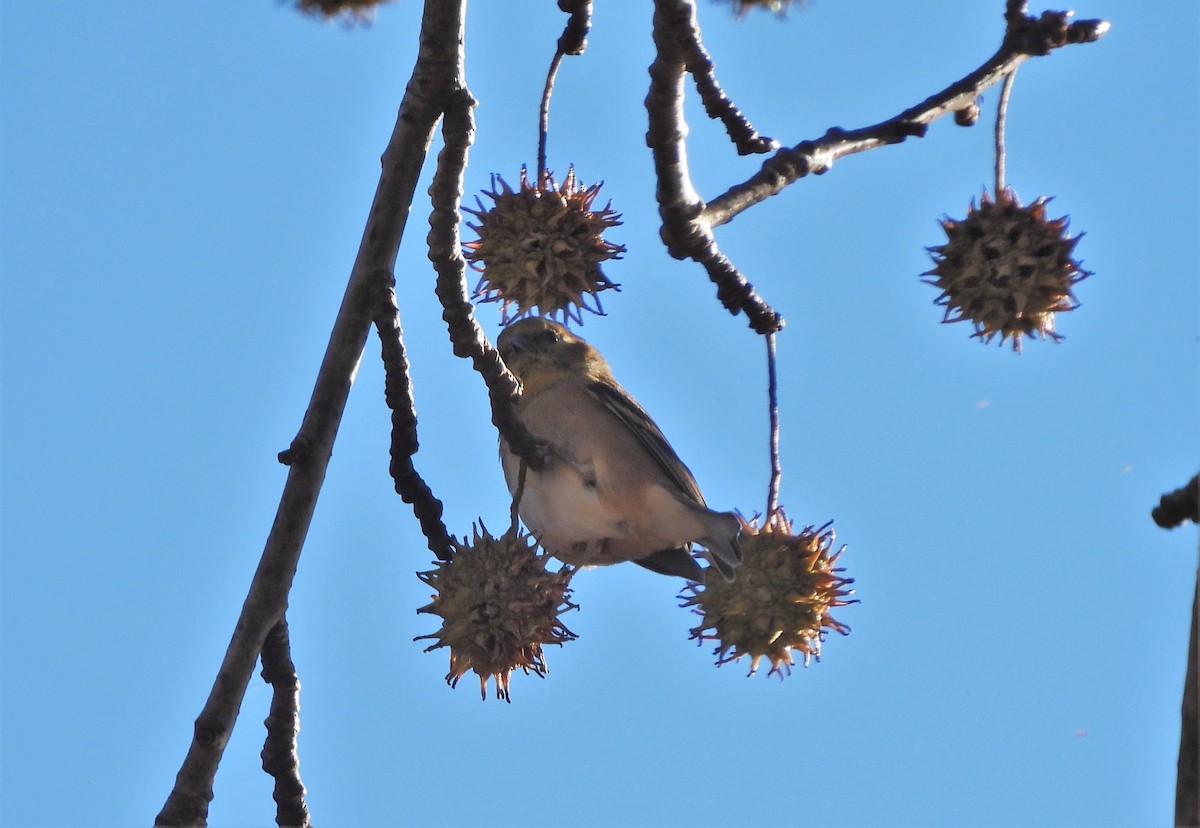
[{"x": 611, "y": 489}]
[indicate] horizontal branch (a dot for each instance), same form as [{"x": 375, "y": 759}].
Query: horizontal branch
[{"x": 1026, "y": 37}]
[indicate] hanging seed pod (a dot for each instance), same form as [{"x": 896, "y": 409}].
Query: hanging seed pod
[
  {"x": 352, "y": 10},
  {"x": 1007, "y": 269},
  {"x": 779, "y": 601},
  {"x": 541, "y": 246},
  {"x": 499, "y": 605}
]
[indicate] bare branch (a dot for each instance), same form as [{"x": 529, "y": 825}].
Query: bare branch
[
  {"x": 308, "y": 456},
  {"x": 1187, "y": 768},
  {"x": 1026, "y": 37},
  {"x": 280, "y": 756},
  {"x": 1174, "y": 509},
  {"x": 717, "y": 104}
]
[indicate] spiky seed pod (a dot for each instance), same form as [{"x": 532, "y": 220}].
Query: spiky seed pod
[
  {"x": 779, "y": 600},
  {"x": 499, "y": 605},
  {"x": 541, "y": 246},
  {"x": 353, "y": 10},
  {"x": 1006, "y": 268}
]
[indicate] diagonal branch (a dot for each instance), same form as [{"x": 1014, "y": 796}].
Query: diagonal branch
[
  {"x": 1174, "y": 509},
  {"x": 1026, "y": 37},
  {"x": 308, "y": 456}
]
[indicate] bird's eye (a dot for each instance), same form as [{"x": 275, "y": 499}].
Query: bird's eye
[{"x": 546, "y": 338}]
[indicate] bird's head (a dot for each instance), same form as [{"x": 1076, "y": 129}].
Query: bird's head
[{"x": 539, "y": 351}]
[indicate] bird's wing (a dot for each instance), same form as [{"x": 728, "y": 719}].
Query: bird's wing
[{"x": 617, "y": 401}]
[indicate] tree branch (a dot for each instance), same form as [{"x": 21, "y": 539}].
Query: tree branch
[
  {"x": 717, "y": 104},
  {"x": 308, "y": 456},
  {"x": 1174, "y": 509},
  {"x": 1026, "y": 37}
]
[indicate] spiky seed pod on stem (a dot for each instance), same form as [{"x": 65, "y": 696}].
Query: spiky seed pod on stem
[
  {"x": 499, "y": 605},
  {"x": 541, "y": 246},
  {"x": 779, "y": 600},
  {"x": 353, "y": 10},
  {"x": 1007, "y": 269}
]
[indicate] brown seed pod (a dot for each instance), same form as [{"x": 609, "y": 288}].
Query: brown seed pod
[
  {"x": 779, "y": 600},
  {"x": 499, "y": 605},
  {"x": 541, "y": 246},
  {"x": 353, "y": 10},
  {"x": 1007, "y": 269}
]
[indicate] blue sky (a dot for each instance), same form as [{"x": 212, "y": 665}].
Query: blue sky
[{"x": 183, "y": 188}]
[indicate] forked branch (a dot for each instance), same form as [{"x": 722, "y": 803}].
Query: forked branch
[{"x": 688, "y": 222}]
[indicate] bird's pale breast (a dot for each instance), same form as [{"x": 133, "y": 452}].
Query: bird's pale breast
[{"x": 601, "y": 498}]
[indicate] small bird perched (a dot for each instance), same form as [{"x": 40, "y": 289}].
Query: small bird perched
[{"x": 612, "y": 489}]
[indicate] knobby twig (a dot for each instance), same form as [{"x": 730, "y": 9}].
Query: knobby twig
[
  {"x": 1026, "y": 37},
  {"x": 280, "y": 757},
  {"x": 572, "y": 41},
  {"x": 445, "y": 252},
  {"x": 1174, "y": 509},
  {"x": 308, "y": 456},
  {"x": 717, "y": 104},
  {"x": 398, "y": 393}
]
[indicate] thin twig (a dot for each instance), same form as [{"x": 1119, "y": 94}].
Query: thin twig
[
  {"x": 717, "y": 104},
  {"x": 773, "y": 410},
  {"x": 280, "y": 756},
  {"x": 1001, "y": 121},
  {"x": 308, "y": 456},
  {"x": 572, "y": 41},
  {"x": 544, "y": 116}
]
